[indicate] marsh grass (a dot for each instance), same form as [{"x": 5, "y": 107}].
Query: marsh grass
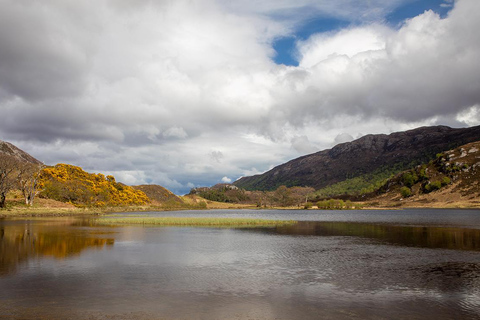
[{"x": 193, "y": 222}]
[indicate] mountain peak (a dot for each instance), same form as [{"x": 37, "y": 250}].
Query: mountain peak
[{"x": 10, "y": 149}]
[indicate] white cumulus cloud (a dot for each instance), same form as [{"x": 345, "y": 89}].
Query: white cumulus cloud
[{"x": 226, "y": 180}]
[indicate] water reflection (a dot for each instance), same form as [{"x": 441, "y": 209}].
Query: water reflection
[
  {"x": 24, "y": 240},
  {"x": 411, "y": 236},
  {"x": 314, "y": 270}
]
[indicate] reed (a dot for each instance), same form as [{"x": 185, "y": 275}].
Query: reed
[{"x": 192, "y": 222}]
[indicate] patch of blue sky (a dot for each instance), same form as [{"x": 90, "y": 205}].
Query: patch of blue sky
[
  {"x": 414, "y": 8},
  {"x": 285, "y": 47}
]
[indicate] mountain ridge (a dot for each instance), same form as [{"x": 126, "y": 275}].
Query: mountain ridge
[
  {"x": 12, "y": 150},
  {"x": 396, "y": 151}
]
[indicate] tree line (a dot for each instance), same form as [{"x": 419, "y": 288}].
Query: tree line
[{"x": 281, "y": 197}]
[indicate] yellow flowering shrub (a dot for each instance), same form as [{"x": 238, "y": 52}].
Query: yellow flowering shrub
[{"x": 68, "y": 183}]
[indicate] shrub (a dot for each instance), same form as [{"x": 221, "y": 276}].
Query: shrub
[
  {"x": 72, "y": 184},
  {"x": 339, "y": 204},
  {"x": 202, "y": 205},
  {"x": 435, "y": 185},
  {"x": 422, "y": 174},
  {"x": 432, "y": 186},
  {"x": 409, "y": 179},
  {"x": 446, "y": 181},
  {"x": 348, "y": 204},
  {"x": 405, "y": 192},
  {"x": 322, "y": 204},
  {"x": 333, "y": 204}
]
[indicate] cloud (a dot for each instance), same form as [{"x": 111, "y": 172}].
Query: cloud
[
  {"x": 175, "y": 132},
  {"x": 216, "y": 156},
  {"x": 183, "y": 92},
  {"x": 470, "y": 116},
  {"x": 342, "y": 138},
  {"x": 293, "y": 11},
  {"x": 347, "y": 43},
  {"x": 40, "y": 60},
  {"x": 447, "y": 4},
  {"x": 429, "y": 67},
  {"x": 302, "y": 145},
  {"x": 226, "y": 180}
]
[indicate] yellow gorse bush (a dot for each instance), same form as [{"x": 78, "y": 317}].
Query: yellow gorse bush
[{"x": 72, "y": 184}]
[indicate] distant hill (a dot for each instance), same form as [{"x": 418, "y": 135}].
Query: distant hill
[
  {"x": 364, "y": 162},
  {"x": 158, "y": 193},
  {"x": 10, "y": 149}
]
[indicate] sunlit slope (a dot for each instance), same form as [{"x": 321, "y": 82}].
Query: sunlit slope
[
  {"x": 453, "y": 177},
  {"x": 68, "y": 183}
]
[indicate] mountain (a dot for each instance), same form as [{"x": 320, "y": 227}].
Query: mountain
[
  {"x": 370, "y": 158},
  {"x": 10, "y": 149}
]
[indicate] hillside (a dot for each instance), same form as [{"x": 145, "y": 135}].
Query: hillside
[
  {"x": 67, "y": 183},
  {"x": 20, "y": 155},
  {"x": 370, "y": 159},
  {"x": 452, "y": 179},
  {"x": 158, "y": 193}
]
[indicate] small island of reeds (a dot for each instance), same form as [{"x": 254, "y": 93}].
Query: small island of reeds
[{"x": 192, "y": 222}]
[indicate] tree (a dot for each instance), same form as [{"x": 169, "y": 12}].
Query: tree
[
  {"x": 29, "y": 181},
  {"x": 8, "y": 165},
  {"x": 300, "y": 195},
  {"x": 282, "y": 196},
  {"x": 259, "y": 197}
]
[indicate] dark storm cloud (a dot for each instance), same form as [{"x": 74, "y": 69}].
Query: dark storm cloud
[{"x": 39, "y": 58}]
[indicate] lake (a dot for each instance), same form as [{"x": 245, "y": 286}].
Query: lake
[{"x": 367, "y": 264}]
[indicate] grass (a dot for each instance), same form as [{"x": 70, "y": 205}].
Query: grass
[{"x": 193, "y": 222}]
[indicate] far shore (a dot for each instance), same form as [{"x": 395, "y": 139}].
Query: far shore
[{"x": 69, "y": 210}]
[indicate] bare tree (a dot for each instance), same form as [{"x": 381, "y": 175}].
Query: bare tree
[
  {"x": 300, "y": 194},
  {"x": 29, "y": 181},
  {"x": 8, "y": 166}
]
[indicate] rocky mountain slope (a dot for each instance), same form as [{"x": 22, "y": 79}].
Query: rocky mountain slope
[
  {"x": 10, "y": 149},
  {"x": 370, "y": 156},
  {"x": 453, "y": 178}
]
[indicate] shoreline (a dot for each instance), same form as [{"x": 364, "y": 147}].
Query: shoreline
[{"x": 16, "y": 212}]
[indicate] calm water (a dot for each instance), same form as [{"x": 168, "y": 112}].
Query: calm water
[{"x": 409, "y": 264}]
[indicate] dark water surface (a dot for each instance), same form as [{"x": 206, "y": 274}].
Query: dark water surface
[{"x": 408, "y": 264}]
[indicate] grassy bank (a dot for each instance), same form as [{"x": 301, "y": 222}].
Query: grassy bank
[
  {"x": 49, "y": 207},
  {"x": 192, "y": 222}
]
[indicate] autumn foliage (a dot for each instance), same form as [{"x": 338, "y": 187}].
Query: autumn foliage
[{"x": 72, "y": 184}]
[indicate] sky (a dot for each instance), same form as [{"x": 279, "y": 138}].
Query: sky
[{"x": 189, "y": 93}]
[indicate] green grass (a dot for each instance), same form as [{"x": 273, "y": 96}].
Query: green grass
[{"x": 193, "y": 222}]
